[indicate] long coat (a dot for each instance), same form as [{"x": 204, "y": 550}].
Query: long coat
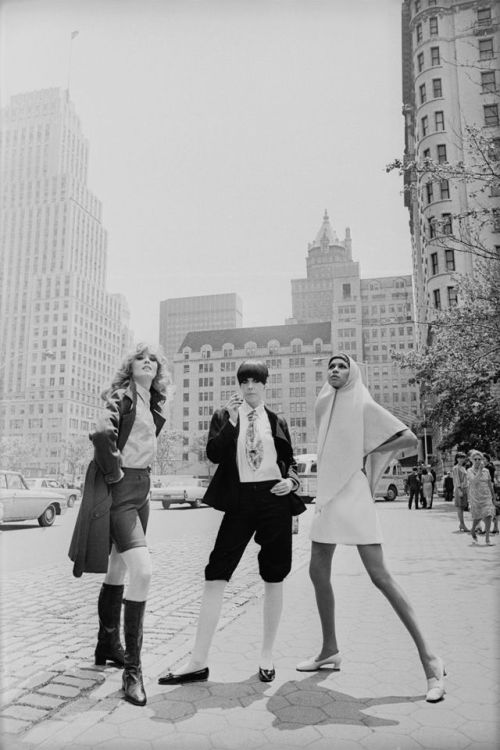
[
  {"x": 90, "y": 545},
  {"x": 223, "y": 490}
]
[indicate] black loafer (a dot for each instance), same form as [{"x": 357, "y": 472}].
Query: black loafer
[
  {"x": 266, "y": 675},
  {"x": 176, "y": 679}
]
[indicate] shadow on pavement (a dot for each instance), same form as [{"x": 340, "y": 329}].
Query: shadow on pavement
[{"x": 295, "y": 704}]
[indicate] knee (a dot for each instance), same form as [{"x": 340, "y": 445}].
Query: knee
[
  {"x": 140, "y": 575},
  {"x": 380, "y": 577},
  {"x": 319, "y": 573}
]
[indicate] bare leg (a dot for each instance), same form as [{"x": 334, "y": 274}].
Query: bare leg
[
  {"x": 373, "y": 560},
  {"x": 487, "y": 526},
  {"x": 138, "y": 562},
  {"x": 211, "y": 605},
  {"x": 273, "y": 605},
  {"x": 461, "y": 520},
  {"x": 116, "y": 569},
  {"x": 320, "y": 571},
  {"x": 473, "y": 530}
]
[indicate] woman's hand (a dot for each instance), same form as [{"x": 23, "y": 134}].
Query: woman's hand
[
  {"x": 282, "y": 488},
  {"x": 232, "y": 406}
]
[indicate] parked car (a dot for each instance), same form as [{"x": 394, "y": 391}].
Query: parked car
[
  {"x": 20, "y": 503},
  {"x": 186, "y": 490},
  {"x": 72, "y": 494},
  {"x": 392, "y": 482},
  {"x": 307, "y": 468}
]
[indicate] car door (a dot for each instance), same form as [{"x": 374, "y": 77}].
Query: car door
[
  {"x": 6, "y": 496},
  {"x": 25, "y": 503}
]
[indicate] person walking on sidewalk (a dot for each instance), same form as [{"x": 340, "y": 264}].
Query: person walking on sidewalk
[
  {"x": 481, "y": 496},
  {"x": 460, "y": 489},
  {"x": 356, "y": 440},
  {"x": 427, "y": 486},
  {"x": 252, "y": 484},
  {"x": 448, "y": 487},
  {"x": 413, "y": 488},
  {"x": 109, "y": 535}
]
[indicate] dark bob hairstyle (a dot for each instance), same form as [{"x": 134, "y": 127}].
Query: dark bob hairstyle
[{"x": 253, "y": 368}]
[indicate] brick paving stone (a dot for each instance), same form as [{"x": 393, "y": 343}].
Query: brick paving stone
[
  {"x": 24, "y": 713},
  {"x": 40, "y": 701},
  {"x": 60, "y": 690},
  {"x": 13, "y": 726}
]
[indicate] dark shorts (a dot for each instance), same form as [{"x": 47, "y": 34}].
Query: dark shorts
[
  {"x": 267, "y": 516},
  {"x": 130, "y": 509}
]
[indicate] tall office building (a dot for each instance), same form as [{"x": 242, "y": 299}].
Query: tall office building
[
  {"x": 450, "y": 82},
  {"x": 180, "y": 315},
  {"x": 369, "y": 317},
  {"x": 62, "y": 333}
]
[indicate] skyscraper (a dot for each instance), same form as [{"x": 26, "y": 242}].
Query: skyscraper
[
  {"x": 450, "y": 86},
  {"x": 180, "y": 315},
  {"x": 62, "y": 333}
]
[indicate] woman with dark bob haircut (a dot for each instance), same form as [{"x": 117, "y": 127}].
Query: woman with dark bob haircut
[{"x": 109, "y": 535}]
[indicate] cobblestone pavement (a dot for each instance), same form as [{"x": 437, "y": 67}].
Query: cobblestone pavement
[
  {"x": 54, "y": 698},
  {"x": 49, "y": 624}
]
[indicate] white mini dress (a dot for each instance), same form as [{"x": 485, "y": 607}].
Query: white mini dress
[{"x": 350, "y": 517}]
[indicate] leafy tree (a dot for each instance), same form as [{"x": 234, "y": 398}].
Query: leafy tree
[
  {"x": 459, "y": 370},
  {"x": 77, "y": 453},
  {"x": 169, "y": 442},
  {"x": 199, "y": 446},
  {"x": 479, "y": 176},
  {"x": 19, "y": 454}
]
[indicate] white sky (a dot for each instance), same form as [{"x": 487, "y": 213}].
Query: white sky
[{"x": 219, "y": 132}]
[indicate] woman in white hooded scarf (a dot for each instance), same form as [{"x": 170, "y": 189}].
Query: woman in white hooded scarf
[{"x": 356, "y": 440}]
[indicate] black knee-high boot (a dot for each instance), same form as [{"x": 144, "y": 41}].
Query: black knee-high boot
[
  {"x": 132, "y": 683},
  {"x": 109, "y": 607}
]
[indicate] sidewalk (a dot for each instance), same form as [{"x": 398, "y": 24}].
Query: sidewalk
[{"x": 375, "y": 701}]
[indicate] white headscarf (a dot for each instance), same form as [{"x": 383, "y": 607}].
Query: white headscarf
[{"x": 350, "y": 424}]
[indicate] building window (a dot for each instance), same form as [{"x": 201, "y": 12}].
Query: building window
[
  {"x": 423, "y": 96},
  {"x": 435, "y": 56},
  {"x": 434, "y": 264},
  {"x": 490, "y": 114},
  {"x": 441, "y": 153},
  {"x": 446, "y": 227},
  {"x": 418, "y": 31},
  {"x": 437, "y": 88},
  {"x": 438, "y": 121},
  {"x": 449, "y": 259},
  {"x": 486, "y": 49},
  {"x": 444, "y": 187},
  {"x": 427, "y": 153},
  {"x": 433, "y": 26},
  {"x": 420, "y": 61},
  {"x": 488, "y": 82},
  {"x": 429, "y": 192},
  {"x": 484, "y": 16},
  {"x": 437, "y": 299},
  {"x": 452, "y": 296},
  {"x": 432, "y": 227},
  {"x": 417, "y": 6},
  {"x": 431, "y": 3},
  {"x": 228, "y": 352},
  {"x": 346, "y": 291},
  {"x": 424, "y": 125}
]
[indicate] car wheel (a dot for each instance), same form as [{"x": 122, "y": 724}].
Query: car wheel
[
  {"x": 48, "y": 516},
  {"x": 196, "y": 503},
  {"x": 392, "y": 493},
  {"x": 71, "y": 500},
  {"x": 165, "y": 504}
]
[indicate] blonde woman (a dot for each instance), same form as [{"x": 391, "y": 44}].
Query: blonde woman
[{"x": 481, "y": 495}]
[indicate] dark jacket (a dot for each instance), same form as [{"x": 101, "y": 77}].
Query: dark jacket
[
  {"x": 412, "y": 482},
  {"x": 90, "y": 544},
  {"x": 223, "y": 490}
]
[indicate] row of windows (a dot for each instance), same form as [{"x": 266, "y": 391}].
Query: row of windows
[
  {"x": 437, "y": 90},
  {"x": 451, "y": 294},
  {"x": 433, "y": 29},
  {"x": 449, "y": 261},
  {"x": 251, "y": 348}
]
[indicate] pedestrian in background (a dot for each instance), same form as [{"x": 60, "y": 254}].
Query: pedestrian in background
[
  {"x": 460, "y": 489},
  {"x": 109, "y": 535},
  {"x": 448, "y": 487},
  {"x": 426, "y": 479},
  {"x": 422, "y": 498},
  {"x": 252, "y": 485},
  {"x": 356, "y": 440},
  {"x": 413, "y": 488},
  {"x": 481, "y": 496}
]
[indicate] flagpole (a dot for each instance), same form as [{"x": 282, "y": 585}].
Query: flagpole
[{"x": 72, "y": 36}]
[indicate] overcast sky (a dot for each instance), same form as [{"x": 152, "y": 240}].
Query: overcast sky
[{"x": 220, "y": 131}]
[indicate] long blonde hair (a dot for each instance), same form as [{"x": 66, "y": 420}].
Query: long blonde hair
[{"x": 123, "y": 375}]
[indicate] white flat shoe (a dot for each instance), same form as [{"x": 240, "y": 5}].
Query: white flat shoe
[
  {"x": 312, "y": 664},
  {"x": 435, "y": 686}
]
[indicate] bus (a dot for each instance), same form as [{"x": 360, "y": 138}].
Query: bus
[{"x": 390, "y": 485}]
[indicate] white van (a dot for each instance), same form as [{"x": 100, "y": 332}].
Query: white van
[
  {"x": 390, "y": 485},
  {"x": 307, "y": 468}
]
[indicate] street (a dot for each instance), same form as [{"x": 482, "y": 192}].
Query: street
[{"x": 53, "y": 696}]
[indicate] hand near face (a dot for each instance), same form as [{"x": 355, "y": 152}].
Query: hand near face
[{"x": 233, "y": 405}]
